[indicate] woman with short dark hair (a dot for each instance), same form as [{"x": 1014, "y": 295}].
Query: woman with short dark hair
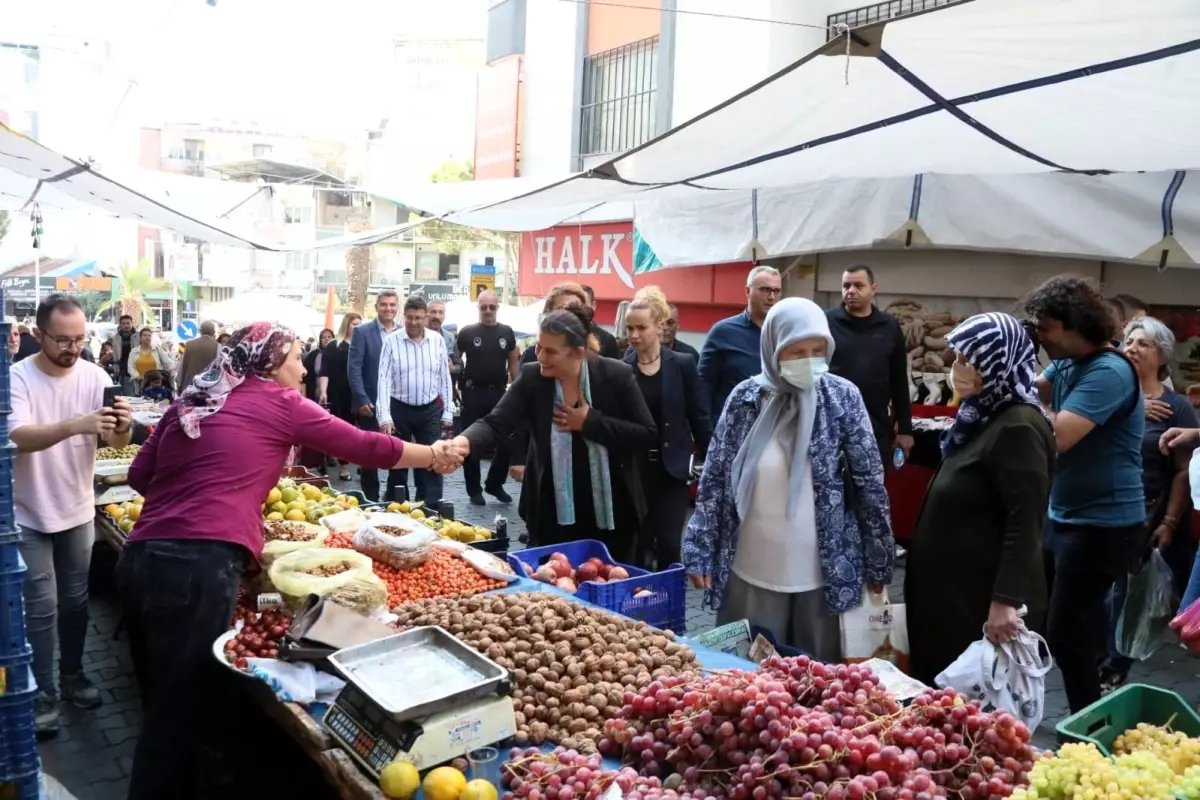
[{"x": 586, "y": 421}]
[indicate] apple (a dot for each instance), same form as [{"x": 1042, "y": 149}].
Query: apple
[
  {"x": 587, "y": 572},
  {"x": 546, "y": 574},
  {"x": 618, "y": 573},
  {"x": 561, "y": 567},
  {"x": 566, "y": 584},
  {"x": 559, "y": 557},
  {"x": 604, "y": 569},
  {"x": 599, "y": 580}
]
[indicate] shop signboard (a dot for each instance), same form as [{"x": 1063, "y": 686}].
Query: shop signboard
[
  {"x": 443, "y": 291},
  {"x": 83, "y": 283},
  {"x": 428, "y": 266},
  {"x": 20, "y": 287},
  {"x": 497, "y": 108}
]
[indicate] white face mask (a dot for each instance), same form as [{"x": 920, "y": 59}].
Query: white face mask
[{"x": 803, "y": 372}]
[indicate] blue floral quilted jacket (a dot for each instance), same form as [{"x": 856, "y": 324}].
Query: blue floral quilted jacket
[{"x": 855, "y": 548}]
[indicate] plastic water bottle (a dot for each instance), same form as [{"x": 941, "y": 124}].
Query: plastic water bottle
[{"x": 898, "y": 458}]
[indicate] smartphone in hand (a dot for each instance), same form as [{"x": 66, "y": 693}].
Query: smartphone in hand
[{"x": 111, "y": 393}]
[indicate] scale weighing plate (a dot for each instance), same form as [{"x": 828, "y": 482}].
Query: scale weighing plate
[{"x": 375, "y": 739}]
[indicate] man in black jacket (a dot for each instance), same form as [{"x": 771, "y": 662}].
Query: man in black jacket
[{"x": 870, "y": 353}]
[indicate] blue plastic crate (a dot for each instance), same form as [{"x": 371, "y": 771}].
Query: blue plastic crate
[
  {"x": 664, "y": 607},
  {"x": 8, "y": 458},
  {"x": 13, "y": 642},
  {"x": 4, "y": 428},
  {"x": 18, "y": 734},
  {"x": 26, "y": 786}
]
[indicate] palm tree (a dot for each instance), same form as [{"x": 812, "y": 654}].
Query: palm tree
[{"x": 137, "y": 281}]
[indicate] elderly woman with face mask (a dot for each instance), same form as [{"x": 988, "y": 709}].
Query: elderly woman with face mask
[
  {"x": 792, "y": 518},
  {"x": 976, "y": 554}
]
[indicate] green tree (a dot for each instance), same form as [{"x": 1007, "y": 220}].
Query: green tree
[
  {"x": 136, "y": 281},
  {"x": 453, "y": 239},
  {"x": 3, "y": 225}
]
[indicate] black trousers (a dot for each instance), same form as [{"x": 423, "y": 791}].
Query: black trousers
[
  {"x": 477, "y": 402},
  {"x": 422, "y": 425},
  {"x": 667, "y": 501},
  {"x": 370, "y": 477},
  {"x": 177, "y": 596},
  {"x": 1082, "y": 563}
]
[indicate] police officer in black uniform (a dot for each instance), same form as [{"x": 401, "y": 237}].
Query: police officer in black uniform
[{"x": 490, "y": 352}]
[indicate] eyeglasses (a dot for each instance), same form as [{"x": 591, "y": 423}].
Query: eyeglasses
[
  {"x": 492, "y": 307},
  {"x": 69, "y": 343},
  {"x": 768, "y": 291}
]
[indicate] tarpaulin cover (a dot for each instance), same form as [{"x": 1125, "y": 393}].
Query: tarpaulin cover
[
  {"x": 1152, "y": 218},
  {"x": 987, "y": 87}
]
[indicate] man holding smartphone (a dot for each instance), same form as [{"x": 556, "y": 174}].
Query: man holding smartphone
[{"x": 58, "y": 411}]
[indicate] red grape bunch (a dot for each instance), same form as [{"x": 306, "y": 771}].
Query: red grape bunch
[{"x": 797, "y": 728}]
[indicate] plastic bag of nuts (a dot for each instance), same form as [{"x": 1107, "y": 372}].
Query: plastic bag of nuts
[
  {"x": 395, "y": 546},
  {"x": 281, "y": 537}
]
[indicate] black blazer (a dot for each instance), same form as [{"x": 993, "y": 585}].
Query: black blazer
[
  {"x": 684, "y": 420},
  {"x": 618, "y": 419}
]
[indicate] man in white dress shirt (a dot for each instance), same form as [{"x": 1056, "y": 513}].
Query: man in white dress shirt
[{"x": 415, "y": 399}]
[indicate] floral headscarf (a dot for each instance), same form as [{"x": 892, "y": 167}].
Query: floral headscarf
[{"x": 254, "y": 350}]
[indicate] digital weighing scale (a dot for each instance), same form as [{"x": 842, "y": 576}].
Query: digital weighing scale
[{"x": 420, "y": 695}]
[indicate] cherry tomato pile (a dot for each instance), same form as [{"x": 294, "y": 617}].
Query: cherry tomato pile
[
  {"x": 442, "y": 574},
  {"x": 258, "y": 638}
]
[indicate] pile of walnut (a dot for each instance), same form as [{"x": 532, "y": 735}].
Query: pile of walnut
[
  {"x": 278, "y": 530},
  {"x": 571, "y": 665}
]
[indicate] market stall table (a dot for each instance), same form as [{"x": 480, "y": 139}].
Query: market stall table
[{"x": 304, "y": 723}]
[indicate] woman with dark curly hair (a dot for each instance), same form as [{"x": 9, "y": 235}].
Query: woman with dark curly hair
[{"x": 1097, "y": 507}]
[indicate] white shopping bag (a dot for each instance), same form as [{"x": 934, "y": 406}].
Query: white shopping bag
[
  {"x": 876, "y": 629},
  {"x": 1009, "y": 676}
]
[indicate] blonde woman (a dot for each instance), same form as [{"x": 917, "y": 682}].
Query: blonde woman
[
  {"x": 333, "y": 381},
  {"x": 670, "y": 386}
]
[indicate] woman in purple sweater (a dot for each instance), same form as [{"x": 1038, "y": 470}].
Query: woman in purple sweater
[{"x": 204, "y": 471}]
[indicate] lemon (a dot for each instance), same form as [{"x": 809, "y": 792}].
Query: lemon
[
  {"x": 296, "y": 515},
  {"x": 352, "y": 500},
  {"x": 417, "y": 513},
  {"x": 274, "y": 496},
  {"x": 404, "y": 508},
  {"x": 289, "y": 494},
  {"x": 134, "y": 512},
  {"x": 399, "y": 779},
  {"x": 444, "y": 783},
  {"x": 139, "y": 501},
  {"x": 126, "y": 524},
  {"x": 274, "y": 515},
  {"x": 478, "y": 789},
  {"x": 393, "y": 507}
]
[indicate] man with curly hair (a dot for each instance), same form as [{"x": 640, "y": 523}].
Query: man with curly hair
[{"x": 1097, "y": 509}]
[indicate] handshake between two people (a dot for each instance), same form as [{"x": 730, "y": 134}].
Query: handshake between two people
[{"x": 449, "y": 454}]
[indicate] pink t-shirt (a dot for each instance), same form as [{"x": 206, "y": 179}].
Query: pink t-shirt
[
  {"x": 212, "y": 487},
  {"x": 53, "y": 487}
]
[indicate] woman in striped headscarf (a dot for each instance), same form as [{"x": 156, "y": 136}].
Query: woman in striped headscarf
[{"x": 976, "y": 554}]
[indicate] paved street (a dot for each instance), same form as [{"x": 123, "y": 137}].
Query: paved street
[{"x": 92, "y": 755}]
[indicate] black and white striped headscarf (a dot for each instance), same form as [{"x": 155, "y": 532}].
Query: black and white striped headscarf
[{"x": 997, "y": 346}]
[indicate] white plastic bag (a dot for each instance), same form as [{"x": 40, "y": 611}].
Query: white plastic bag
[
  {"x": 1147, "y": 609},
  {"x": 1009, "y": 676},
  {"x": 876, "y": 629}
]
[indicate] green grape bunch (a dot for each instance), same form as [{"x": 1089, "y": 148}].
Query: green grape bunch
[{"x": 126, "y": 453}]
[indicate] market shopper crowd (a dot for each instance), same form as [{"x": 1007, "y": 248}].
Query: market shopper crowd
[{"x": 1055, "y": 482}]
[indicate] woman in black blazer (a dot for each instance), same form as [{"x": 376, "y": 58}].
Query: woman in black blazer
[
  {"x": 587, "y": 426},
  {"x": 670, "y": 385},
  {"x": 333, "y": 382}
]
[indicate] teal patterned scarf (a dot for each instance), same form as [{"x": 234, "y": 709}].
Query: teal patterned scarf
[{"x": 562, "y": 470}]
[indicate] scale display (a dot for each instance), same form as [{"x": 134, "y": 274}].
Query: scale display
[{"x": 373, "y": 737}]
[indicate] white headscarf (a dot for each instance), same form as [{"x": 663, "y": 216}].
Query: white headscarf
[{"x": 788, "y": 321}]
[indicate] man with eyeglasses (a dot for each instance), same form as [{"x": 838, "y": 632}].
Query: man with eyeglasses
[
  {"x": 490, "y": 350},
  {"x": 869, "y": 351},
  {"x": 730, "y": 353},
  {"x": 57, "y": 414}
]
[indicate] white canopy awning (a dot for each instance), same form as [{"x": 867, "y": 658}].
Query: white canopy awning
[
  {"x": 980, "y": 88},
  {"x": 32, "y": 173}
]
